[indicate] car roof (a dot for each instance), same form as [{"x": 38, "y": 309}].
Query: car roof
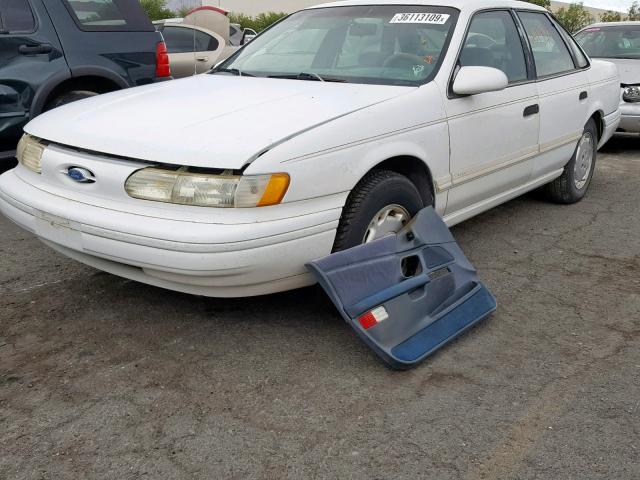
[
  {"x": 613, "y": 24},
  {"x": 459, "y": 4}
]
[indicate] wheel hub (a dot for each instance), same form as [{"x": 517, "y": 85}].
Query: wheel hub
[
  {"x": 584, "y": 161},
  {"x": 389, "y": 219}
]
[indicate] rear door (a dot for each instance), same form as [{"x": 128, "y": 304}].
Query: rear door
[
  {"x": 180, "y": 45},
  {"x": 30, "y": 54},
  {"x": 563, "y": 89},
  {"x": 110, "y": 38},
  {"x": 209, "y": 49}
]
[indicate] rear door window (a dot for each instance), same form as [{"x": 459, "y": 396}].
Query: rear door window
[
  {"x": 549, "y": 50},
  {"x": 186, "y": 40},
  {"x": 178, "y": 39},
  {"x": 109, "y": 15},
  {"x": 578, "y": 54},
  {"x": 205, "y": 42},
  {"x": 16, "y": 16}
]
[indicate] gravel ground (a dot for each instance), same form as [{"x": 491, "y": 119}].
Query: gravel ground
[{"x": 101, "y": 377}]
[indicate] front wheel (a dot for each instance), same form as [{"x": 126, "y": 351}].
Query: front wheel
[
  {"x": 572, "y": 185},
  {"x": 382, "y": 202}
]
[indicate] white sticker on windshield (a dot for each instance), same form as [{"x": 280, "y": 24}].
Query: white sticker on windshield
[{"x": 431, "y": 18}]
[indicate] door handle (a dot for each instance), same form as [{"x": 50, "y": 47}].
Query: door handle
[
  {"x": 35, "y": 49},
  {"x": 532, "y": 110},
  {"x": 583, "y": 96},
  {"x": 202, "y": 59}
]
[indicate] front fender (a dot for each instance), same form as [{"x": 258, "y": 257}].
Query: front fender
[
  {"x": 45, "y": 90},
  {"x": 332, "y": 158},
  {"x": 97, "y": 71},
  {"x": 42, "y": 94}
]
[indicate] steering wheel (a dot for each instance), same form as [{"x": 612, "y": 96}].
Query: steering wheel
[
  {"x": 479, "y": 40},
  {"x": 399, "y": 60}
]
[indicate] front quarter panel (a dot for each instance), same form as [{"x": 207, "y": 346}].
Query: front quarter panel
[{"x": 333, "y": 157}]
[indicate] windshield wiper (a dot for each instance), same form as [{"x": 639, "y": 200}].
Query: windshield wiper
[
  {"x": 308, "y": 76},
  {"x": 233, "y": 71}
]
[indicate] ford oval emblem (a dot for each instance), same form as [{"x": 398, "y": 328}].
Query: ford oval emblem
[{"x": 81, "y": 175}]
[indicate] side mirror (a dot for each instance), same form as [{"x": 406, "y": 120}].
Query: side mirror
[
  {"x": 248, "y": 35},
  {"x": 476, "y": 80}
]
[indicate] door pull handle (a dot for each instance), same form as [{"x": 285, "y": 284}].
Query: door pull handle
[
  {"x": 532, "y": 110},
  {"x": 35, "y": 49}
]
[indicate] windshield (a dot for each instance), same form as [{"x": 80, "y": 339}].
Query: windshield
[
  {"x": 388, "y": 45},
  {"x": 618, "y": 41}
]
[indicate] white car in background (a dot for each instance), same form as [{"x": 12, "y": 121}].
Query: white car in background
[
  {"x": 619, "y": 43},
  {"x": 330, "y": 129}
]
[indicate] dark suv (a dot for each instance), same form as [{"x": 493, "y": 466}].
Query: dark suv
[{"x": 53, "y": 52}]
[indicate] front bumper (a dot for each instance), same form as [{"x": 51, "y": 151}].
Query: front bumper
[
  {"x": 213, "y": 259},
  {"x": 611, "y": 123},
  {"x": 630, "y": 120}
]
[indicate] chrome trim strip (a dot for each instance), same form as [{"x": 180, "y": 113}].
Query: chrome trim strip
[
  {"x": 468, "y": 212},
  {"x": 506, "y": 162},
  {"x": 524, "y": 100}
]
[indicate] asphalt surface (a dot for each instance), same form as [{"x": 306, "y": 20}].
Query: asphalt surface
[{"x": 101, "y": 377}]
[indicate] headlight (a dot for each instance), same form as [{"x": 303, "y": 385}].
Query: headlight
[
  {"x": 207, "y": 190},
  {"x": 29, "y": 152},
  {"x": 631, "y": 94}
]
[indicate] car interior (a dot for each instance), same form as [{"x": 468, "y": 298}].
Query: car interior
[{"x": 366, "y": 47}]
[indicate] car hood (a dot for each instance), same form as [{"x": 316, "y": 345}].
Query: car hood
[
  {"x": 219, "y": 121},
  {"x": 629, "y": 69}
]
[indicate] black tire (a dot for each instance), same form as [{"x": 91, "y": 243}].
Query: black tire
[
  {"x": 378, "y": 189},
  {"x": 69, "y": 97},
  {"x": 564, "y": 189}
]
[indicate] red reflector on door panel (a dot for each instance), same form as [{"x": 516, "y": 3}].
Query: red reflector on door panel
[
  {"x": 367, "y": 321},
  {"x": 373, "y": 317}
]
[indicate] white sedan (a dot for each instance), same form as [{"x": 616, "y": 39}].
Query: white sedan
[
  {"x": 619, "y": 43},
  {"x": 330, "y": 129}
]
